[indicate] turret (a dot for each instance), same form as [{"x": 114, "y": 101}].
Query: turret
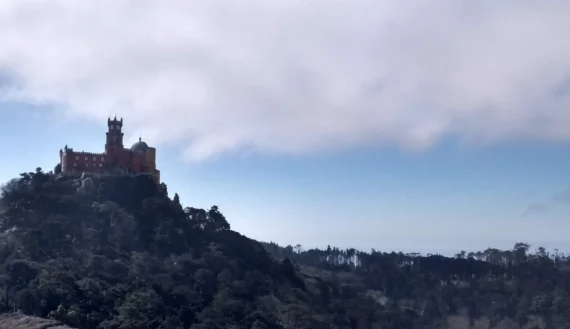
[{"x": 114, "y": 135}]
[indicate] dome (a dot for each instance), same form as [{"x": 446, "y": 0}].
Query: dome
[{"x": 139, "y": 147}]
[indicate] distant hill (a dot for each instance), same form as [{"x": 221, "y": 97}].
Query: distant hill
[
  {"x": 117, "y": 252},
  {"x": 503, "y": 289}
]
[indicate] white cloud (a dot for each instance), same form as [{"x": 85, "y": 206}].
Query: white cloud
[{"x": 296, "y": 76}]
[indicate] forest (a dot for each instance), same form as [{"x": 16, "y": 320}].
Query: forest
[{"x": 118, "y": 252}]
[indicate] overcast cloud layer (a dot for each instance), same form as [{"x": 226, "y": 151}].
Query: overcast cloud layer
[{"x": 296, "y": 76}]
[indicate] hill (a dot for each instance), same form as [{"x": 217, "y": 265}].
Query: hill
[
  {"x": 108, "y": 251},
  {"x": 503, "y": 289},
  {"x": 116, "y": 252}
]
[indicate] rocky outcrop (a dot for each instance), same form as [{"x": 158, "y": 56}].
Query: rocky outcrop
[{"x": 21, "y": 321}]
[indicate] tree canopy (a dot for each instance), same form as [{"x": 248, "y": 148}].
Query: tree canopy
[{"x": 116, "y": 252}]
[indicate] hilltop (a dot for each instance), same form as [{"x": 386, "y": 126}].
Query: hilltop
[{"x": 117, "y": 252}]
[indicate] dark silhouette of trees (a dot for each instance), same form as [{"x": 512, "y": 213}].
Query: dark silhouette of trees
[
  {"x": 494, "y": 284},
  {"x": 115, "y": 252},
  {"x": 102, "y": 251}
]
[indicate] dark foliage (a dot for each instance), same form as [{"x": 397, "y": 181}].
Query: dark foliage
[
  {"x": 496, "y": 288},
  {"x": 102, "y": 251},
  {"x": 115, "y": 252}
]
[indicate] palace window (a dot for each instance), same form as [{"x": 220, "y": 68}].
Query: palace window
[{"x": 77, "y": 157}]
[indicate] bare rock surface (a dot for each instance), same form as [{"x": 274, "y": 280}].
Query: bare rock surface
[{"x": 21, "y": 321}]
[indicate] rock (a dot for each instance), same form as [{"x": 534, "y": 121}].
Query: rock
[
  {"x": 21, "y": 321},
  {"x": 82, "y": 190},
  {"x": 88, "y": 183},
  {"x": 59, "y": 177},
  {"x": 88, "y": 186}
]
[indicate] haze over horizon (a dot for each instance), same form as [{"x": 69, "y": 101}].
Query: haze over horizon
[{"x": 424, "y": 126}]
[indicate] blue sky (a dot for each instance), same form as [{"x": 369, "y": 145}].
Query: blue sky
[
  {"x": 414, "y": 126},
  {"x": 445, "y": 199}
]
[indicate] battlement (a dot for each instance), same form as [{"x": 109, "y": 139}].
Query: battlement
[
  {"x": 114, "y": 121},
  {"x": 71, "y": 152}
]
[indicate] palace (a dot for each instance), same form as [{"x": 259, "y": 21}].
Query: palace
[{"x": 140, "y": 158}]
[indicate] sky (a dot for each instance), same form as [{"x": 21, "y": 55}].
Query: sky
[{"x": 395, "y": 125}]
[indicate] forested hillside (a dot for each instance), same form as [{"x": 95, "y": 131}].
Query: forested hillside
[
  {"x": 104, "y": 251},
  {"x": 116, "y": 252},
  {"x": 494, "y": 288}
]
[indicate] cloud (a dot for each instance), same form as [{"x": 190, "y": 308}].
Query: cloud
[
  {"x": 296, "y": 76},
  {"x": 534, "y": 210},
  {"x": 562, "y": 198}
]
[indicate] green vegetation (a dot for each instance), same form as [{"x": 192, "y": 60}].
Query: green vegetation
[
  {"x": 490, "y": 289},
  {"x": 115, "y": 252}
]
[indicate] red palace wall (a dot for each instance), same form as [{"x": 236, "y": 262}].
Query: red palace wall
[
  {"x": 99, "y": 162},
  {"x": 95, "y": 162},
  {"x": 115, "y": 155}
]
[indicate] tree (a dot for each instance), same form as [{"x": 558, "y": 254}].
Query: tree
[
  {"x": 141, "y": 309},
  {"x": 176, "y": 199},
  {"x": 520, "y": 249},
  {"x": 127, "y": 256},
  {"x": 216, "y": 221}
]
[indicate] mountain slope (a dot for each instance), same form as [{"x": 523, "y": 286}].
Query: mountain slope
[
  {"x": 116, "y": 252},
  {"x": 503, "y": 289},
  {"x": 107, "y": 251}
]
